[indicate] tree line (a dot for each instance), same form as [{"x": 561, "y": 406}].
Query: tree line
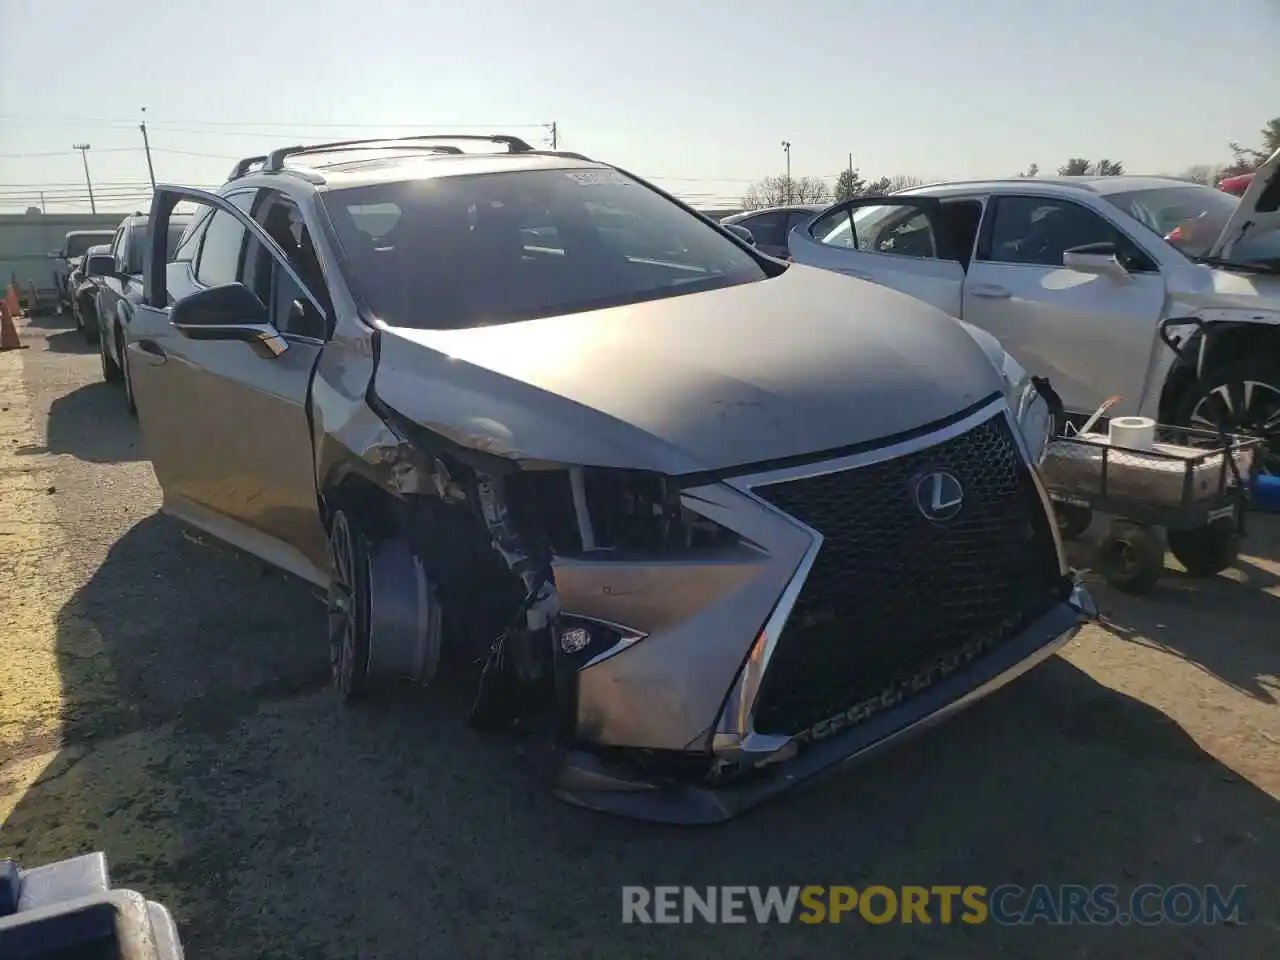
[{"x": 782, "y": 190}]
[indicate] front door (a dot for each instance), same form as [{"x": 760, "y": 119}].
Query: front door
[
  {"x": 226, "y": 427},
  {"x": 1092, "y": 335}
]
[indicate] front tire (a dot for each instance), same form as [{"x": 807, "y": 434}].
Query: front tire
[
  {"x": 88, "y": 322},
  {"x": 1243, "y": 395},
  {"x": 127, "y": 375},
  {"x": 349, "y": 607},
  {"x": 111, "y": 372}
]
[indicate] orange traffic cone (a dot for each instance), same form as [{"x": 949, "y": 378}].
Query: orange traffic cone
[
  {"x": 8, "y": 332},
  {"x": 11, "y": 300}
]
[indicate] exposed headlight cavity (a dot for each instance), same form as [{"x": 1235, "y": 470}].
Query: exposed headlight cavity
[{"x": 593, "y": 508}]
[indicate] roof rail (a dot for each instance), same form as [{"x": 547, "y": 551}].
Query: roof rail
[
  {"x": 275, "y": 160},
  {"x": 242, "y": 167}
]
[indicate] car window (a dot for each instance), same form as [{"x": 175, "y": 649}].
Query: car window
[
  {"x": 1188, "y": 216},
  {"x": 189, "y": 243},
  {"x": 78, "y": 245},
  {"x": 291, "y": 310},
  {"x": 889, "y": 228},
  {"x": 798, "y": 218},
  {"x": 767, "y": 228},
  {"x": 1039, "y": 230},
  {"x": 499, "y": 247},
  {"x": 219, "y": 260}
]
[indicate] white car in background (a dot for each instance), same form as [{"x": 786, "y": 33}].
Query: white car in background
[{"x": 1074, "y": 274}]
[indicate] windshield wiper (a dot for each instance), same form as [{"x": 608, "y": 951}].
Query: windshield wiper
[{"x": 1237, "y": 265}]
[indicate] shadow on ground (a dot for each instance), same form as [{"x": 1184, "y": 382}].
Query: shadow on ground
[
  {"x": 1229, "y": 624},
  {"x": 70, "y": 341},
  {"x": 52, "y": 321},
  {"x": 278, "y": 824},
  {"x": 92, "y": 423}
]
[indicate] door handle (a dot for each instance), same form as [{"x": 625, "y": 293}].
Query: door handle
[
  {"x": 991, "y": 291},
  {"x": 155, "y": 353}
]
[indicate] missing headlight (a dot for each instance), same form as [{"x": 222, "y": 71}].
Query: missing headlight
[{"x": 629, "y": 510}]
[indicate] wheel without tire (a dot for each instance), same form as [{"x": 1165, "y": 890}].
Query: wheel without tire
[
  {"x": 1244, "y": 396},
  {"x": 1131, "y": 556},
  {"x": 1073, "y": 520},
  {"x": 110, "y": 369},
  {"x": 1206, "y": 551},
  {"x": 348, "y": 607}
]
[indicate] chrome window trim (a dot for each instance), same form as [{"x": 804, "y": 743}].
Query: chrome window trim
[{"x": 734, "y": 735}]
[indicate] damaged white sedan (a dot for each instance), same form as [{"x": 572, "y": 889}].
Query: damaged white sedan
[
  {"x": 722, "y": 522},
  {"x": 1075, "y": 276}
]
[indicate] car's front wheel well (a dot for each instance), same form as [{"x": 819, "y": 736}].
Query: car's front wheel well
[
  {"x": 476, "y": 587},
  {"x": 1227, "y": 345}
]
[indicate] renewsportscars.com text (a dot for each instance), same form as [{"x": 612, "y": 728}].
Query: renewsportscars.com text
[{"x": 1009, "y": 904}]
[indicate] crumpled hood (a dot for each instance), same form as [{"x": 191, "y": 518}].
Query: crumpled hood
[
  {"x": 1216, "y": 294},
  {"x": 1258, "y": 212},
  {"x": 805, "y": 362}
]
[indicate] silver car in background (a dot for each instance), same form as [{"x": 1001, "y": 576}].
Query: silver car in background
[{"x": 718, "y": 521}]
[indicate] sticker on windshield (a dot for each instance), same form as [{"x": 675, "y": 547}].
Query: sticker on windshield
[{"x": 588, "y": 178}]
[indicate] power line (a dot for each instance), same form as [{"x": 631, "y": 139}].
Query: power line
[{"x": 275, "y": 124}]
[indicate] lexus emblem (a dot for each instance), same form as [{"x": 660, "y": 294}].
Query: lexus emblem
[{"x": 939, "y": 496}]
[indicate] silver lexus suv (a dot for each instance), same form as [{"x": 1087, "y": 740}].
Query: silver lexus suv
[{"x": 716, "y": 521}]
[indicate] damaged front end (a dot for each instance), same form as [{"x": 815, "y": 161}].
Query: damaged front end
[
  {"x": 670, "y": 632},
  {"x": 541, "y": 573}
]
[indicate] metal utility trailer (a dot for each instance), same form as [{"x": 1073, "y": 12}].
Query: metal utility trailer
[{"x": 1189, "y": 492}]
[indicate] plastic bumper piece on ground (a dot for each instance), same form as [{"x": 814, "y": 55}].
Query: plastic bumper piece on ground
[{"x": 586, "y": 781}]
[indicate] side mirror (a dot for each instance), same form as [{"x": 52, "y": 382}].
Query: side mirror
[
  {"x": 1096, "y": 258},
  {"x": 100, "y": 266},
  {"x": 741, "y": 232},
  {"x": 228, "y": 312}
]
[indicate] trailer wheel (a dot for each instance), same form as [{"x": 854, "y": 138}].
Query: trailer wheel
[
  {"x": 1073, "y": 520},
  {"x": 1206, "y": 551},
  {"x": 1131, "y": 556}
]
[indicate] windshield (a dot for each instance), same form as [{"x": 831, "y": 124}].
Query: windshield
[
  {"x": 78, "y": 244},
  {"x": 1189, "y": 217},
  {"x": 468, "y": 251}
]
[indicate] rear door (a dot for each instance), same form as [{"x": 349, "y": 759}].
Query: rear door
[
  {"x": 226, "y": 427},
  {"x": 898, "y": 242},
  {"x": 1091, "y": 335}
]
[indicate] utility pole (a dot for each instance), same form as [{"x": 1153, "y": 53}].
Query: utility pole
[
  {"x": 146, "y": 145},
  {"x": 786, "y": 147},
  {"x": 42, "y": 209},
  {"x": 555, "y": 139},
  {"x": 84, "y": 156}
]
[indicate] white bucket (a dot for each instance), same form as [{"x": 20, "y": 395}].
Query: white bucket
[{"x": 1136, "y": 433}]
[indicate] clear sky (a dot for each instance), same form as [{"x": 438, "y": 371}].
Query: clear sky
[{"x": 695, "y": 95}]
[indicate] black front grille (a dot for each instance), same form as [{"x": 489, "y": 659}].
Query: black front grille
[{"x": 892, "y": 592}]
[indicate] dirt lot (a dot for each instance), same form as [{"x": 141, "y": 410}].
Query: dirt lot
[{"x": 166, "y": 702}]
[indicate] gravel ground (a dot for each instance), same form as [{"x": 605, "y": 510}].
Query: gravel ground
[{"x": 165, "y": 702}]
